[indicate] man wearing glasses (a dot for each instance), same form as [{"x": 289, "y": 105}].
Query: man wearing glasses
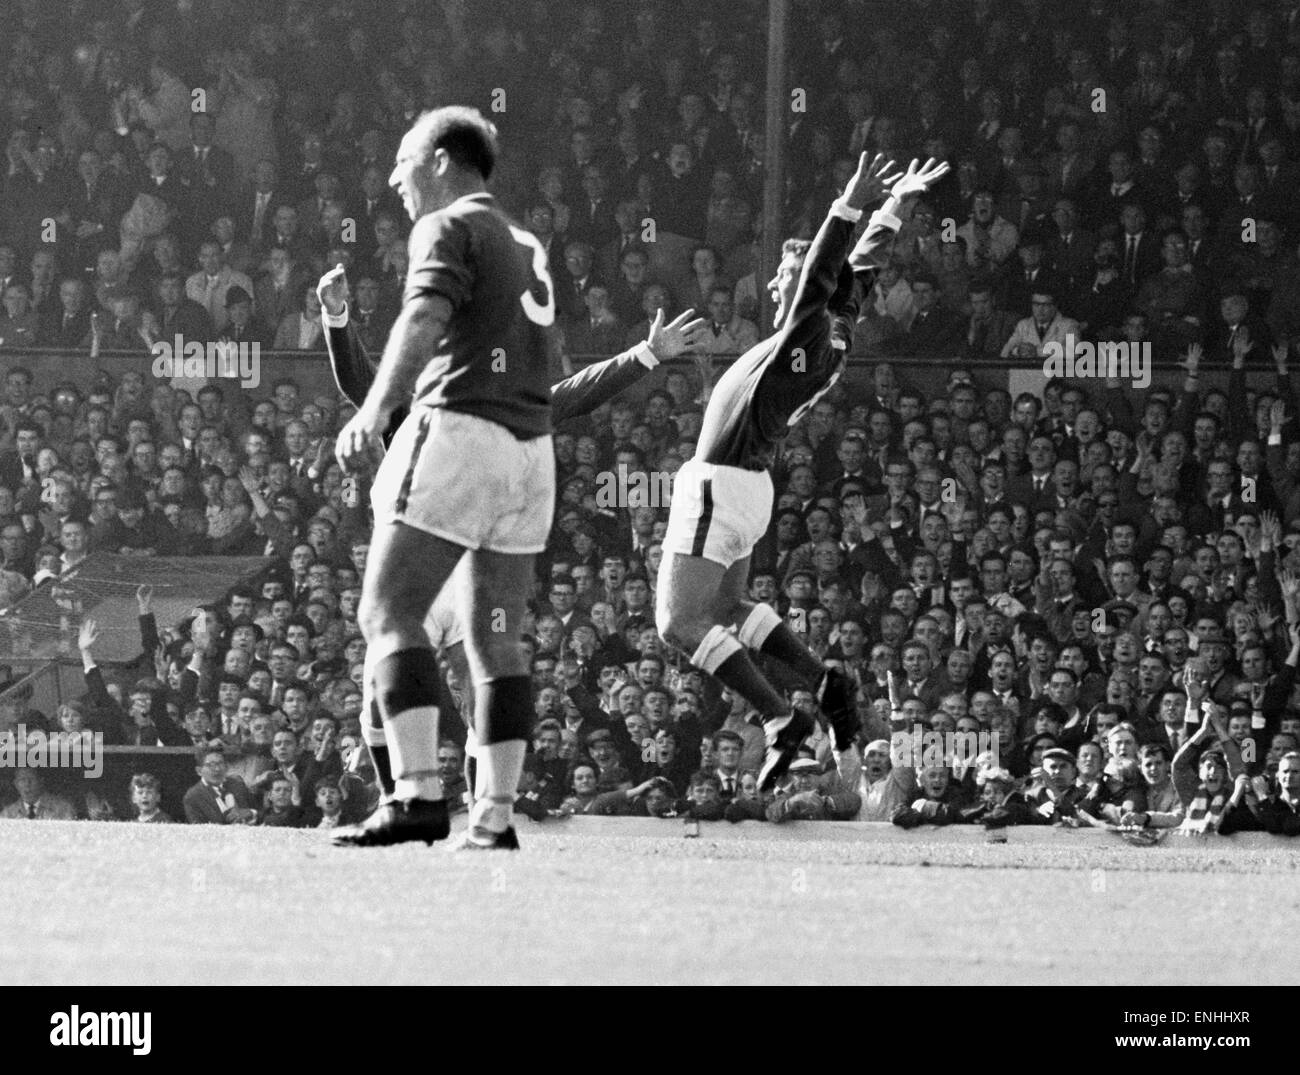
[{"x": 564, "y": 600}]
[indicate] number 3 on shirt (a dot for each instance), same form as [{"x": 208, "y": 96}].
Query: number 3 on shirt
[{"x": 538, "y": 313}]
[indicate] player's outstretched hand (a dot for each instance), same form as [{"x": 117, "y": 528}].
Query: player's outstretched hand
[
  {"x": 919, "y": 178},
  {"x": 875, "y": 175},
  {"x": 678, "y": 336},
  {"x": 360, "y": 444},
  {"x": 333, "y": 290}
]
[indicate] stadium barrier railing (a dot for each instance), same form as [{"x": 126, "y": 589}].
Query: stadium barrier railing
[{"x": 311, "y": 370}]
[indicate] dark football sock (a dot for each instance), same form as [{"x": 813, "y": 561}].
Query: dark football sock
[
  {"x": 738, "y": 673},
  {"x": 377, "y": 748},
  {"x": 784, "y": 645},
  {"x": 503, "y": 710},
  {"x": 406, "y": 692}
]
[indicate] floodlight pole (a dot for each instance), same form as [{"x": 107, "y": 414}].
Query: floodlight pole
[{"x": 769, "y": 249}]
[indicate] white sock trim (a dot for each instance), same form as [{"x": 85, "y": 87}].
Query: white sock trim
[
  {"x": 716, "y": 646},
  {"x": 412, "y": 737},
  {"x": 424, "y": 786},
  {"x": 499, "y": 768},
  {"x": 758, "y": 625}
]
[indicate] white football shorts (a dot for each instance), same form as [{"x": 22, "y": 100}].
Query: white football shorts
[
  {"x": 468, "y": 481},
  {"x": 718, "y": 513}
]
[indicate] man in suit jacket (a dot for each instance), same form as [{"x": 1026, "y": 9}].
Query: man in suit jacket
[
  {"x": 96, "y": 204},
  {"x": 286, "y": 230},
  {"x": 1278, "y": 177},
  {"x": 161, "y": 181},
  {"x": 571, "y": 286},
  {"x": 217, "y": 799},
  {"x": 1030, "y": 275},
  {"x": 314, "y": 214},
  {"x": 599, "y": 332},
  {"x": 726, "y": 333},
  {"x": 19, "y": 325},
  {"x": 1070, "y": 169},
  {"x": 1044, "y": 326},
  {"x": 177, "y": 314},
  {"x": 1115, "y": 190},
  {"x": 34, "y": 803},
  {"x": 68, "y": 324},
  {"x": 241, "y": 325},
  {"x": 627, "y": 220},
  {"x": 374, "y": 196},
  {"x": 988, "y": 327},
  {"x": 234, "y": 252},
  {"x": 1069, "y": 248},
  {"x": 1037, "y": 489},
  {"x": 1219, "y": 505},
  {"x": 1236, "y": 321},
  {"x": 630, "y": 278},
  {"x": 206, "y": 170},
  {"x": 300, "y": 766},
  {"x": 1138, "y": 247},
  {"x": 935, "y": 330},
  {"x": 592, "y": 218},
  {"x": 921, "y": 680},
  {"x": 254, "y": 206},
  {"x": 279, "y": 290},
  {"x": 371, "y": 316},
  {"x": 211, "y": 285}
]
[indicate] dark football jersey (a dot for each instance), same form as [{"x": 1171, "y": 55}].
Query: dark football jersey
[
  {"x": 770, "y": 387},
  {"x": 493, "y": 360}
]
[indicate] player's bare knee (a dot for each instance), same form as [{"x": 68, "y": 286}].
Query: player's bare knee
[
  {"x": 386, "y": 626},
  {"x": 370, "y": 616},
  {"x": 492, "y": 655}
]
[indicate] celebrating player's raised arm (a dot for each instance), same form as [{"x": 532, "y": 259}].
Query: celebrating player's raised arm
[
  {"x": 819, "y": 279},
  {"x": 589, "y": 388},
  {"x": 353, "y": 369},
  {"x": 419, "y": 328},
  {"x": 903, "y": 192}
]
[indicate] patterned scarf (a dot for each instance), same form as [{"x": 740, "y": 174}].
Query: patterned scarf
[{"x": 1206, "y": 811}]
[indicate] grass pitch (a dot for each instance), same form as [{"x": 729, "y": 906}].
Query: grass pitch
[{"x": 596, "y": 900}]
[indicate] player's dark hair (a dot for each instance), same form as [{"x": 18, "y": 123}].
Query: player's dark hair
[{"x": 468, "y": 138}]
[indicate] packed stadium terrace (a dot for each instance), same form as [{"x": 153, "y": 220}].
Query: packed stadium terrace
[{"x": 1085, "y": 581}]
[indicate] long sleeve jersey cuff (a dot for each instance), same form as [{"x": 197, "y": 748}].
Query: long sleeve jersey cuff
[
  {"x": 330, "y": 320},
  {"x": 844, "y": 211},
  {"x": 887, "y": 219},
  {"x": 642, "y": 353}
]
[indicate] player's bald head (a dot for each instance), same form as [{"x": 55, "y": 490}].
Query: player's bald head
[{"x": 468, "y": 138}]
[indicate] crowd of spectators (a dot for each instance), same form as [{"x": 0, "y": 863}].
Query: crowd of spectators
[{"x": 1104, "y": 586}]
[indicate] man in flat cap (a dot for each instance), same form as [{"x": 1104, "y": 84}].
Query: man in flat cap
[
  {"x": 1053, "y": 799},
  {"x": 805, "y": 801}
]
